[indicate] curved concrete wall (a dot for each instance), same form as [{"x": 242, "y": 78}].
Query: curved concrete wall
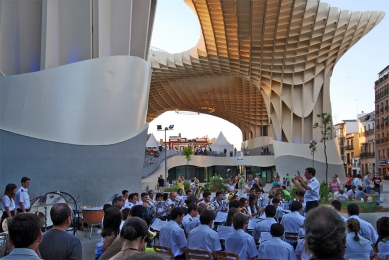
[
  {"x": 93, "y": 102},
  {"x": 206, "y": 161},
  {"x": 91, "y": 172}
]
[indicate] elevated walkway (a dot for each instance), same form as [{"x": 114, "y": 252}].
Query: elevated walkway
[{"x": 203, "y": 161}]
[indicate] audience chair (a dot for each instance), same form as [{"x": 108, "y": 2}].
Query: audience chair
[
  {"x": 192, "y": 254},
  {"x": 165, "y": 251},
  {"x": 223, "y": 255},
  {"x": 291, "y": 236}
]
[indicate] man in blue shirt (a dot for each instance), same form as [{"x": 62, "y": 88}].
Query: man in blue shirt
[
  {"x": 203, "y": 237},
  {"x": 367, "y": 230},
  {"x": 275, "y": 248},
  {"x": 338, "y": 206},
  {"x": 189, "y": 222},
  {"x": 25, "y": 235},
  {"x": 239, "y": 242},
  {"x": 293, "y": 221},
  {"x": 261, "y": 230},
  {"x": 171, "y": 235},
  {"x": 311, "y": 189}
]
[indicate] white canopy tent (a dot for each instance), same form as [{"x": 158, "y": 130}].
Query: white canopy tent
[
  {"x": 152, "y": 142},
  {"x": 221, "y": 143}
]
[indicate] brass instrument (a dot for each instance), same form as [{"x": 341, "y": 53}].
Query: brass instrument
[
  {"x": 150, "y": 202},
  {"x": 230, "y": 195},
  {"x": 152, "y": 234},
  {"x": 212, "y": 206},
  {"x": 198, "y": 191}
]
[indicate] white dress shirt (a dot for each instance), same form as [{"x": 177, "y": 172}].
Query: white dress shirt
[
  {"x": 300, "y": 250},
  {"x": 242, "y": 244},
  {"x": 261, "y": 230},
  {"x": 275, "y": 248},
  {"x": 357, "y": 249},
  {"x": 367, "y": 230},
  {"x": 314, "y": 193},
  {"x": 7, "y": 202},
  {"x": 292, "y": 222},
  {"x": 22, "y": 196},
  {"x": 171, "y": 235},
  {"x": 204, "y": 238}
]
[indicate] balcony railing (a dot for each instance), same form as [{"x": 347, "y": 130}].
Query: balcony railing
[
  {"x": 382, "y": 94},
  {"x": 367, "y": 155},
  {"x": 377, "y": 141},
  {"x": 382, "y": 110},
  {"x": 349, "y": 147}
]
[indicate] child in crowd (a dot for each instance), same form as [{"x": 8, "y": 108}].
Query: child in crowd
[{"x": 341, "y": 195}]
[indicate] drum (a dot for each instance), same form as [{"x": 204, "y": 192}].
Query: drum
[
  {"x": 93, "y": 216},
  {"x": 44, "y": 203}
]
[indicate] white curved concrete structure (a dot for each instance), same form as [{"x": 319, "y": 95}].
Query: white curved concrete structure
[
  {"x": 84, "y": 103},
  {"x": 74, "y": 93}
]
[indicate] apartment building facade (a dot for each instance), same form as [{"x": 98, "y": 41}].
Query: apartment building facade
[
  {"x": 382, "y": 123},
  {"x": 367, "y": 139}
]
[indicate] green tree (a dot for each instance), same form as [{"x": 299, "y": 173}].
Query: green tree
[
  {"x": 187, "y": 152},
  {"x": 325, "y": 130},
  {"x": 313, "y": 148}
]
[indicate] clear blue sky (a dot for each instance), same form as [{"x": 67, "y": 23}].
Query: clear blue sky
[{"x": 177, "y": 29}]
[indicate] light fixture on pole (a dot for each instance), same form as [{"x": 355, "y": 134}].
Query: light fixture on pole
[{"x": 159, "y": 128}]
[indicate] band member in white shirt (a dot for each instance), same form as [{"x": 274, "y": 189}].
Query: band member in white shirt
[
  {"x": 221, "y": 205},
  {"x": 171, "y": 235},
  {"x": 189, "y": 222},
  {"x": 22, "y": 199}
]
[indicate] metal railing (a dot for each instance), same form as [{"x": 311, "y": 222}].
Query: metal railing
[
  {"x": 349, "y": 147},
  {"x": 367, "y": 155}
]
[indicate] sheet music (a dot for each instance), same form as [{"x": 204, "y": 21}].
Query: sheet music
[
  {"x": 158, "y": 224},
  {"x": 223, "y": 231},
  {"x": 221, "y": 217},
  {"x": 252, "y": 223}
]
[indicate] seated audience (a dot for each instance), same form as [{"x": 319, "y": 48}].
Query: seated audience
[
  {"x": 357, "y": 247},
  {"x": 381, "y": 247},
  {"x": 171, "y": 235},
  {"x": 360, "y": 194},
  {"x": 351, "y": 193},
  {"x": 239, "y": 242},
  {"x": 275, "y": 248},
  {"x": 203, "y": 237},
  {"x": 25, "y": 235},
  {"x": 325, "y": 233},
  {"x": 367, "y": 230},
  {"x": 133, "y": 238},
  {"x": 56, "y": 242},
  {"x": 301, "y": 250},
  {"x": 342, "y": 196},
  {"x": 112, "y": 219},
  {"x": 125, "y": 213},
  {"x": 261, "y": 230}
]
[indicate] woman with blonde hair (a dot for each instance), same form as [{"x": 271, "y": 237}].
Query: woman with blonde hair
[
  {"x": 357, "y": 247},
  {"x": 133, "y": 237}
]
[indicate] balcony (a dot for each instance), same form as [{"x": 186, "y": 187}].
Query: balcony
[
  {"x": 382, "y": 110},
  {"x": 378, "y": 126},
  {"x": 367, "y": 155},
  {"x": 369, "y": 132},
  {"x": 386, "y": 108},
  {"x": 381, "y": 95},
  {"x": 349, "y": 147},
  {"x": 377, "y": 141}
]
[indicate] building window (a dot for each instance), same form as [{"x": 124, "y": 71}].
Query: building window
[{"x": 379, "y": 155}]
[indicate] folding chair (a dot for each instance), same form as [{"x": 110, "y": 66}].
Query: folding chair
[
  {"x": 192, "y": 254},
  {"x": 165, "y": 251}
]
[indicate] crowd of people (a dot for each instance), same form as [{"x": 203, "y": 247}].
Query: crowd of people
[{"x": 249, "y": 225}]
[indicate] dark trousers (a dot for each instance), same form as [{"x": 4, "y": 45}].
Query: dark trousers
[
  {"x": 20, "y": 210},
  {"x": 311, "y": 204},
  {"x": 180, "y": 257}
]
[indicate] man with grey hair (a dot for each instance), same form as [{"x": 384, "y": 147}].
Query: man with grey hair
[{"x": 325, "y": 233}]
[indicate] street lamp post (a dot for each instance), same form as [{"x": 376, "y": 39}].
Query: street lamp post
[{"x": 159, "y": 128}]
